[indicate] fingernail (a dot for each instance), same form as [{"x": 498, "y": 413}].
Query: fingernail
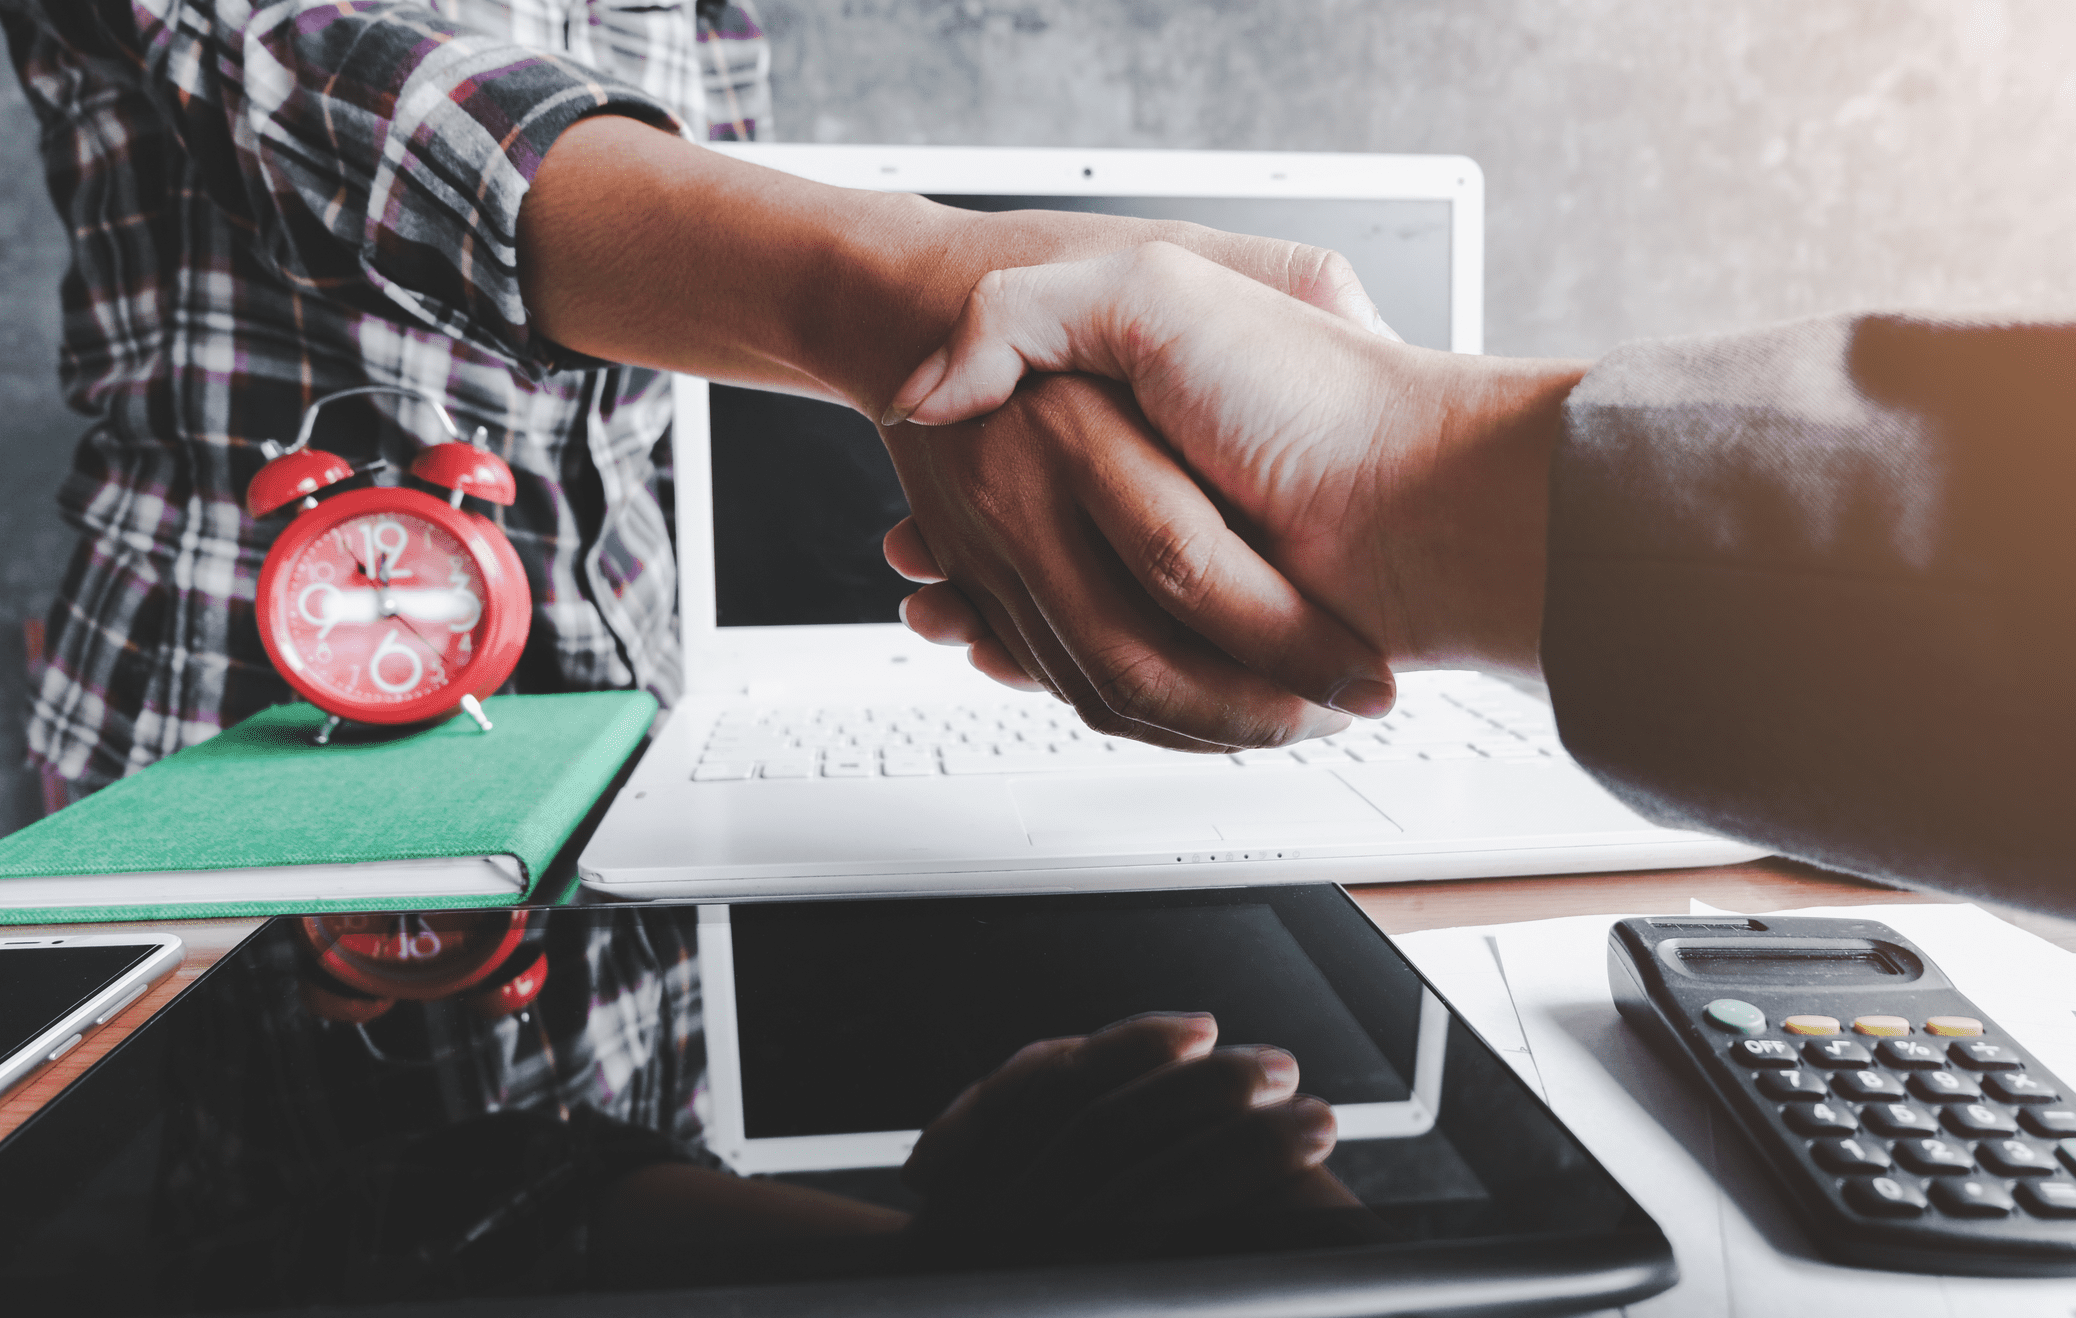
[
  {"x": 1379, "y": 327},
  {"x": 1315, "y": 1123},
  {"x": 1278, "y": 1067},
  {"x": 896, "y": 414},
  {"x": 1363, "y": 697}
]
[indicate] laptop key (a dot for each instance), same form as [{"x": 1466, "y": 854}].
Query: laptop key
[
  {"x": 1264, "y": 757},
  {"x": 1320, "y": 755},
  {"x": 720, "y": 771},
  {"x": 1457, "y": 752}
]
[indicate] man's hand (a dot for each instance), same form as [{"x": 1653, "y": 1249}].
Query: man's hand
[
  {"x": 1135, "y": 1127},
  {"x": 1400, "y": 489}
]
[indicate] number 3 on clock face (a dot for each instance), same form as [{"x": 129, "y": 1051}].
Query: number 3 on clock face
[{"x": 387, "y": 606}]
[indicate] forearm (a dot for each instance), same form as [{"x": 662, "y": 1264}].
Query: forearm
[{"x": 640, "y": 247}]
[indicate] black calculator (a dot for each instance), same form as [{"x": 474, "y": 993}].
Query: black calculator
[{"x": 1907, "y": 1129}]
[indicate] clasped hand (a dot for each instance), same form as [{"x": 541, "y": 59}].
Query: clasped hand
[{"x": 1278, "y": 507}]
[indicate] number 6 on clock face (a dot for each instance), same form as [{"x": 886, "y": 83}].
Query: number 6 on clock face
[{"x": 387, "y": 605}]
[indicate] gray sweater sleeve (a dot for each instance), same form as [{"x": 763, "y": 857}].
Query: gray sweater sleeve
[{"x": 1815, "y": 587}]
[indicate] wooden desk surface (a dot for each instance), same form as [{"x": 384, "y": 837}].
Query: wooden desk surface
[{"x": 1397, "y": 908}]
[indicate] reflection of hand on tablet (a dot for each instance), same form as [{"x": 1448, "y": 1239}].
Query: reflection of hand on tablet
[{"x": 1142, "y": 1124}]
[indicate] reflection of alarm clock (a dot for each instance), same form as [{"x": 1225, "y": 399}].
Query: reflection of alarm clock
[
  {"x": 359, "y": 966},
  {"x": 387, "y": 605}
]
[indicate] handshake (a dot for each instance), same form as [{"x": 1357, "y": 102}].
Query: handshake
[{"x": 1210, "y": 510}]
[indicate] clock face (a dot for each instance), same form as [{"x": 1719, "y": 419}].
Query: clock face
[{"x": 382, "y": 609}]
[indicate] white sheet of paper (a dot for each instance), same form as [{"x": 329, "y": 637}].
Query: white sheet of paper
[
  {"x": 1739, "y": 1251},
  {"x": 1463, "y": 966}
]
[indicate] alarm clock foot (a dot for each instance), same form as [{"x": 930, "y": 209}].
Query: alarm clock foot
[
  {"x": 474, "y": 709},
  {"x": 324, "y": 734}
]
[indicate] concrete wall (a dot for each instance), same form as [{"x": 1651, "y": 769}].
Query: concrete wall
[{"x": 1652, "y": 168}]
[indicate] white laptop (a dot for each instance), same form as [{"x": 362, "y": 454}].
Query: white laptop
[{"x": 822, "y": 749}]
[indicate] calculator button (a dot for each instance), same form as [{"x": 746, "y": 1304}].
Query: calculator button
[
  {"x": 1971, "y": 1198},
  {"x": 2048, "y": 1121},
  {"x": 1884, "y": 1196},
  {"x": 1820, "y": 1119},
  {"x": 1791, "y": 1086},
  {"x": 1911, "y": 1055},
  {"x": 1735, "y": 1016},
  {"x": 2067, "y": 1150},
  {"x": 2048, "y": 1198},
  {"x": 1934, "y": 1157},
  {"x": 1837, "y": 1054},
  {"x": 2019, "y": 1089},
  {"x": 1979, "y": 1119},
  {"x": 1851, "y": 1155},
  {"x": 1979, "y": 1056},
  {"x": 1883, "y": 1026},
  {"x": 1953, "y": 1027},
  {"x": 1763, "y": 1052},
  {"x": 2014, "y": 1158},
  {"x": 1894, "y": 1119},
  {"x": 1867, "y": 1086},
  {"x": 1945, "y": 1087},
  {"x": 1810, "y": 1025}
]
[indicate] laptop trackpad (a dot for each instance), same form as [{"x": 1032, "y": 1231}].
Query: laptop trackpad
[{"x": 1166, "y": 809}]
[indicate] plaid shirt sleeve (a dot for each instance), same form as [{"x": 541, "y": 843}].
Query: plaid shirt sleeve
[
  {"x": 376, "y": 153},
  {"x": 271, "y": 202}
]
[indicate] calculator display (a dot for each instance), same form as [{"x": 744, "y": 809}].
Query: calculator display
[{"x": 1781, "y": 961}]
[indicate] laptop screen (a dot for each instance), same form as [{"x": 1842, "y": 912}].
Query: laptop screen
[{"x": 803, "y": 491}]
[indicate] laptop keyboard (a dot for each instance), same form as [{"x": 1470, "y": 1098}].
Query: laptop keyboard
[{"x": 1440, "y": 716}]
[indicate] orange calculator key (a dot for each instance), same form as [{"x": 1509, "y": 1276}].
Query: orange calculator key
[
  {"x": 1953, "y": 1027},
  {"x": 1884, "y": 1026},
  {"x": 1810, "y": 1025}
]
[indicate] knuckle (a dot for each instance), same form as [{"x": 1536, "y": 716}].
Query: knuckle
[
  {"x": 1136, "y": 686},
  {"x": 989, "y": 291},
  {"x": 1180, "y": 565},
  {"x": 1100, "y": 717},
  {"x": 1159, "y": 258},
  {"x": 1314, "y": 269}
]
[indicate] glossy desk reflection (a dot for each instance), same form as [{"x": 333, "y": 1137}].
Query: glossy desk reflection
[{"x": 255, "y": 1149}]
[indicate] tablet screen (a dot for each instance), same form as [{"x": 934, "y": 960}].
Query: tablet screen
[{"x": 916, "y": 1003}]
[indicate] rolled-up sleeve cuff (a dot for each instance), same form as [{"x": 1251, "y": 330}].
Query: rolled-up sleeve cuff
[{"x": 472, "y": 123}]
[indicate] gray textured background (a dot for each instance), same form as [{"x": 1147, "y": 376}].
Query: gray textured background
[{"x": 1651, "y": 168}]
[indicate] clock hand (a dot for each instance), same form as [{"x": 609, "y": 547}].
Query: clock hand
[{"x": 433, "y": 649}]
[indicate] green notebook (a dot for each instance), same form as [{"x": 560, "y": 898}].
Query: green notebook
[{"x": 258, "y": 820}]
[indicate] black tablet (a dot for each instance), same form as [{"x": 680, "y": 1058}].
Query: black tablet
[{"x": 608, "y": 1109}]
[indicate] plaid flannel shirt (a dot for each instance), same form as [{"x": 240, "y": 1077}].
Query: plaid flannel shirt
[{"x": 271, "y": 201}]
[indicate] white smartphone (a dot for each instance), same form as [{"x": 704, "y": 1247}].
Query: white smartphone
[{"x": 54, "y": 991}]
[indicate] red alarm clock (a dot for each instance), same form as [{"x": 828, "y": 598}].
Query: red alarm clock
[{"x": 388, "y": 605}]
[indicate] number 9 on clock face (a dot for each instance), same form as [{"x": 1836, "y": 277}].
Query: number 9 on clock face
[{"x": 388, "y": 606}]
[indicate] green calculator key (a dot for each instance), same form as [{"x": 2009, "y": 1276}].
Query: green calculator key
[{"x": 1735, "y": 1016}]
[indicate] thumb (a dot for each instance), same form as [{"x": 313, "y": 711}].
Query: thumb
[{"x": 1028, "y": 319}]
